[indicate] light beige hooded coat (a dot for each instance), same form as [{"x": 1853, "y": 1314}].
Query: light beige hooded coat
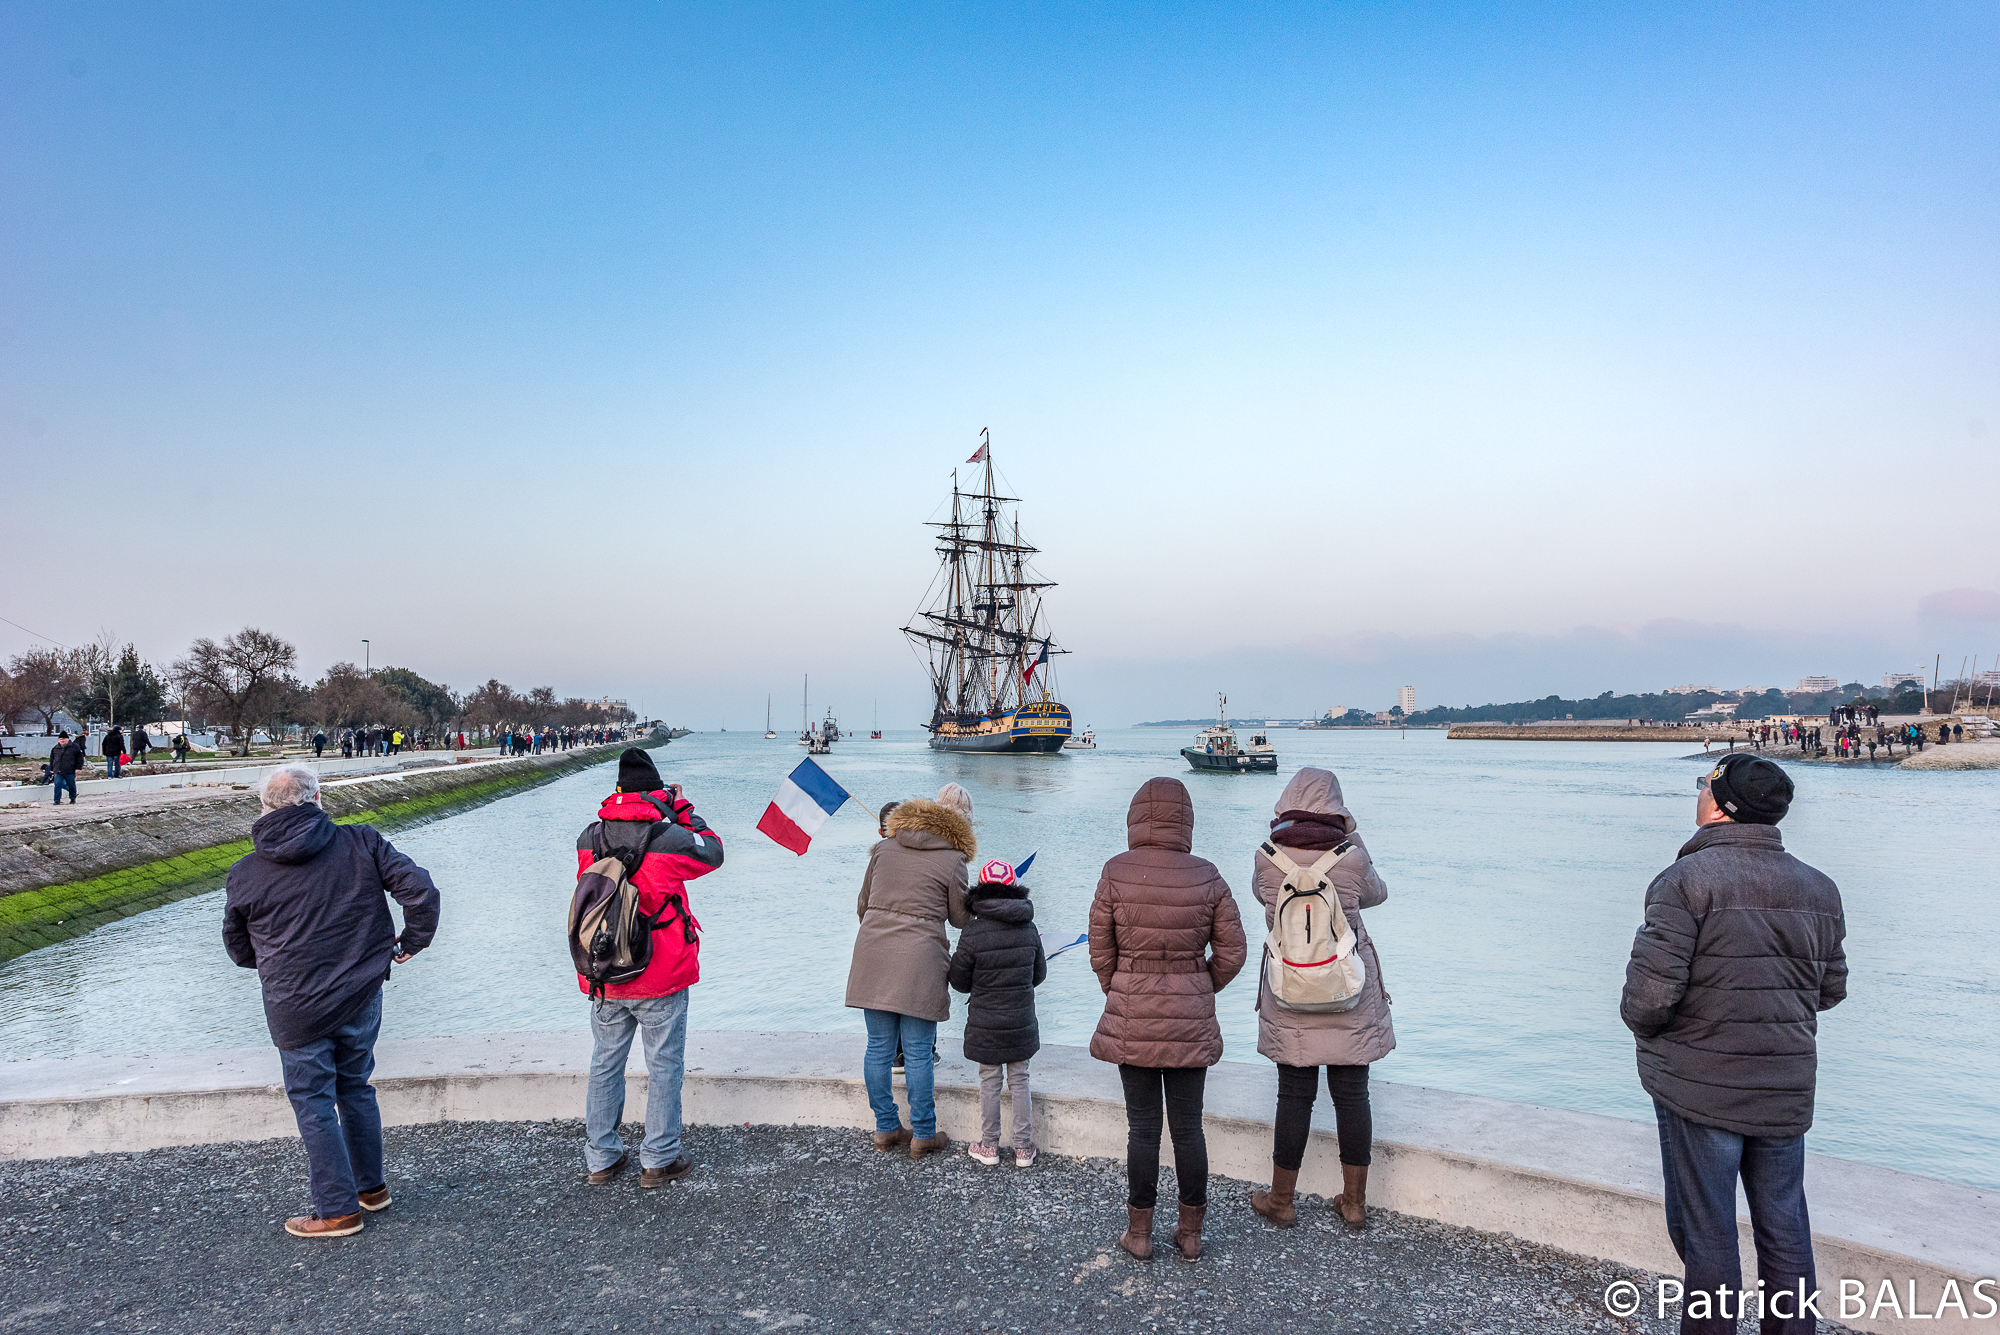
[
  {"x": 1346, "y": 1038},
  {"x": 915, "y": 883}
]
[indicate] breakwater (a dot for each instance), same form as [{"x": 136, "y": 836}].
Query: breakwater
[
  {"x": 61, "y": 877},
  {"x": 1590, "y": 732}
]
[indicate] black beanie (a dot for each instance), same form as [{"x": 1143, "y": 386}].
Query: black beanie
[
  {"x": 1751, "y": 790},
  {"x": 637, "y": 773}
]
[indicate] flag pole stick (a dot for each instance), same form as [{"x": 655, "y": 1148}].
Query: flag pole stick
[{"x": 871, "y": 815}]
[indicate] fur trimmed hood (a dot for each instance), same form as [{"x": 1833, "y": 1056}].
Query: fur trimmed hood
[{"x": 920, "y": 816}]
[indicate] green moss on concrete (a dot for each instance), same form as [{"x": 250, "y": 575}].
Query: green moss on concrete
[{"x": 36, "y": 918}]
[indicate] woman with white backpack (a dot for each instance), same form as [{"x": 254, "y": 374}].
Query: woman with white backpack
[{"x": 1319, "y": 990}]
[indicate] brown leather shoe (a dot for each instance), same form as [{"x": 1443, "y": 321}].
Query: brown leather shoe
[
  {"x": 1187, "y": 1235},
  {"x": 312, "y": 1226},
  {"x": 886, "y": 1141},
  {"x": 673, "y": 1172},
  {"x": 378, "y": 1199},
  {"x": 604, "y": 1175},
  {"x": 1352, "y": 1203},
  {"x": 1138, "y": 1236},
  {"x": 1276, "y": 1204},
  {"x": 929, "y": 1145}
]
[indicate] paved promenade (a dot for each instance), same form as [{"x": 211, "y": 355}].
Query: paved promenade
[{"x": 778, "y": 1228}]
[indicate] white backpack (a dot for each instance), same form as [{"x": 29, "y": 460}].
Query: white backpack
[{"x": 1311, "y": 958}]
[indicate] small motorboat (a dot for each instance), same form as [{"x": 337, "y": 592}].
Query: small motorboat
[
  {"x": 1083, "y": 741},
  {"x": 1216, "y": 749}
]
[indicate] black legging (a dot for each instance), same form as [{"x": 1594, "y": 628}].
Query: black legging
[
  {"x": 1297, "y": 1087},
  {"x": 1182, "y": 1088}
]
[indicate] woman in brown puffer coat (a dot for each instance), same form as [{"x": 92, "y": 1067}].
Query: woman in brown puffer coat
[
  {"x": 1311, "y": 820},
  {"x": 1165, "y": 937}
]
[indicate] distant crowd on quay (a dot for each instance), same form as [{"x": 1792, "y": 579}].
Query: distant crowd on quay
[
  {"x": 1851, "y": 729},
  {"x": 1739, "y": 937}
]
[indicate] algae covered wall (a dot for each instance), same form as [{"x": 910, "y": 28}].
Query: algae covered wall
[{"x": 61, "y": 880}]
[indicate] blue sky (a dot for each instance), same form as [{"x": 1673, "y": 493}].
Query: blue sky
[{"x": 1498, "y": 350}]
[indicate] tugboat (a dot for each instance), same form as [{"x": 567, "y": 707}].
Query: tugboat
[
  {"x": 984, "y": 634},
  {"x": 1216, "y": 748},
  {"x": 1084, "y": 741}
]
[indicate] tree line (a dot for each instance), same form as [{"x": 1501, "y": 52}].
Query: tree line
[
  {"x": 1668, "y": 707},
  {"x": 249, "y": 680}
]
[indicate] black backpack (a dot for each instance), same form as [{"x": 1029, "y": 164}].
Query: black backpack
[{"x": 610, "y": 940}]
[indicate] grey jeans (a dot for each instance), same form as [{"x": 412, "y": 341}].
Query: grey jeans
[
  {"x": 661, "y": 1024},
  {"x": 1016, "y": 1074}
]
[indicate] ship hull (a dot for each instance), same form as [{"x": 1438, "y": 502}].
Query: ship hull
[
  {"x": 1040, "y": 728},
  {"x": 1230, "y": 764}
]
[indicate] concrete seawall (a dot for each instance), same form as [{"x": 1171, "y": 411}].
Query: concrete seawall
[
  {"x": 1589, "y": 732},
  {"x": 61, "y": 876},
  {"x": 1585, "y": 1184}
]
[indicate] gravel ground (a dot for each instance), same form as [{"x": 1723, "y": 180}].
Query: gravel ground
[{"x": 778, "y": 1228}]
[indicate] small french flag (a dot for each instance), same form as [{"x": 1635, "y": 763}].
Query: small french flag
[{"x": 805, "y": 800}]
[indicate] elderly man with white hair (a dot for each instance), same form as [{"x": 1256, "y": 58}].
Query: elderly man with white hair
[{"x": 306, "y": 910}]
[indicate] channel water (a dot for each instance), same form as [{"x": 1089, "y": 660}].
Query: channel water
[{"x": 1517, "y": 873}]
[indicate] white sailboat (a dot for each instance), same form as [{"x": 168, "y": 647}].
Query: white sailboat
[{"x": 768, "y": 733}]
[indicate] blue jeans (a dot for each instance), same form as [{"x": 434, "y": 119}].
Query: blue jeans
[
  {"x": 1701, "y": 1165},
  {"x": 111, "y": 767},
  {"x": 63, "y": 781},
  {"x": 919, "y": 1039},
  {"x": 327, "y": 1083},
  {"x": 663, "y": 1022}
]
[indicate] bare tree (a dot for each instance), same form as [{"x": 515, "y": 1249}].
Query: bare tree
[
  {"x": 46, "y": 678},
  {"x": 239, "y": 679}
]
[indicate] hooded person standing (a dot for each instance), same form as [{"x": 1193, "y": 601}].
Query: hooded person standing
[
  {"x": 1740, "y": 952},
  {"x": 1165, "y": 937},
  {"x": 306, "y": 910},
  {"x": 914, "y": 885},
  {"x": 1312, "y": 821},
  {"x": 646, "y": 824},
  {"x": 999, "y": 963}
]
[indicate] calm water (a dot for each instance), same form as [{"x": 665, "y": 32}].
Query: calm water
[{"x": 1517, "y": 874}]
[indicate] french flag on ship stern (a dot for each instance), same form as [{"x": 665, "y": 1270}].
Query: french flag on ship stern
[{"x": 805, "y": 800}]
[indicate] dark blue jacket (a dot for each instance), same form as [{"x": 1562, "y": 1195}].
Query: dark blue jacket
[
  {"x": 306, "y": 911},
  {"x": 999, "y": 960}
]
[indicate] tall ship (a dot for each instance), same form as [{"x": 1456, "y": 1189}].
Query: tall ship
[{"x": 984, "y": 633}]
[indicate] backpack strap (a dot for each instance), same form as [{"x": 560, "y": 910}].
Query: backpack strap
[{"x": 1319, "y": 870}]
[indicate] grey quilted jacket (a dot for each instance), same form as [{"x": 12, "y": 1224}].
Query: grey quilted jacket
[{"x": 1739, "y": 954}]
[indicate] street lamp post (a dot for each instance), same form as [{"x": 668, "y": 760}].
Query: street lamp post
[{"x": 366, "y": 669}]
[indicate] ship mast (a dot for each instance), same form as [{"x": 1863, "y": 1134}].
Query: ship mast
[{"x": 987, "y": 608}]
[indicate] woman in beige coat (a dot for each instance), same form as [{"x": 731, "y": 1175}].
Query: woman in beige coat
[
  {"x": 1312, "y": 819},
  {"x": 914, "y": 885}
]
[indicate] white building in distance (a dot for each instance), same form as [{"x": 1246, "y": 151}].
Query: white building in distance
[
  {"x": 1891, "y": 680},
  {"x": 1819, "y": 683},
  {"x": 1406, "y": 696},
  {"x": 1687, "y": 690}
]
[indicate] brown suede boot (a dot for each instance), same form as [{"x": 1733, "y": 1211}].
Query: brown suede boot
[
  {"x": 1187, "y": 1237},
  {"x": 1138, "y": 1237},
  {"x": 886, "y": 1141},
  {"x": 1353, "y": 1202},
  {"x": 1276, "y": 1204},
  {"x": 930, "y": 1145}
]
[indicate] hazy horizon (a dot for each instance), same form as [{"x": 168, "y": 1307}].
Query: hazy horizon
[{"x": 1496, "y": 352}]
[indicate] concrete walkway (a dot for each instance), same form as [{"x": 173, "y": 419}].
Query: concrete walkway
[{"x": 778, "y": 1228}]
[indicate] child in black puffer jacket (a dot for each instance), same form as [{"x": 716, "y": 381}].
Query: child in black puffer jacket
[{"x": 999, "y": 961}]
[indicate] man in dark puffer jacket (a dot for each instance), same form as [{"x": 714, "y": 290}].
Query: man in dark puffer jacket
[
  {"x": 1739, "y": 953},
  {"x": 1000, "y": 961}
]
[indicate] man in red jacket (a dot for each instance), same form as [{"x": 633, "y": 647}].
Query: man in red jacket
[{"x": 644, "y": 812}]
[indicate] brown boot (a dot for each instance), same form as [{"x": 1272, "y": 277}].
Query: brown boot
[
  {"x": 312, "y": 1226},
  {"x": 1138, "y": 1237},
  {"x": 665, "y": 1173},
  {"x": 1276, "y": 1204},
  {"x": 886, "y": 1141},
  {"x": 929, "y": 1145},
  {"x": 1187, "y": 1236},
  {"x": 604, "y": 1175},
  {"x": 1353, "y": 1202}
]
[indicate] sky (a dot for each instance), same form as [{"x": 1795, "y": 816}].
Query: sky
[{"x": 626, "y": 348}]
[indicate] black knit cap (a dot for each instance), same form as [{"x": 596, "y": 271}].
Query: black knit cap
[
  {"x": 637, "y": 773},
  {"x": 1751, "y": 790}
]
